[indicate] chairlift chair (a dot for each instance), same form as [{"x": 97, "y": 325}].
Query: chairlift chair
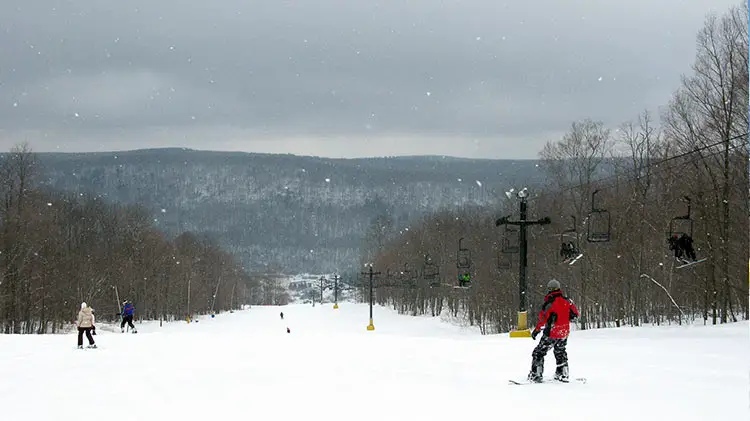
[
  {"x": 407, "y": 277},
  {"x": 599, "y": 226},
  {"x": 430, "y": 271},
  {"x": 566, "y": 244},
  {"x": 463, "y": 256},
  {"x": 510, "y": 239},
  {"x": 463, "y": 265},
  {"x": 389, "y": 278},
  {"x": 409, "y": 283},
  {"x": 503, "y": 261},
  {"x": 681, "y": 224}
]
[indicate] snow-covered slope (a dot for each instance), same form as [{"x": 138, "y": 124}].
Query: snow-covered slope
[{"x": 244, "y": 365}]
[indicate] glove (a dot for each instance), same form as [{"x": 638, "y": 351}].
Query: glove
[{"x": 534, "y": 334}]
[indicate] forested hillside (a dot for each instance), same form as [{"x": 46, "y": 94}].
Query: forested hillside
[{"x": 283, "y": 212}]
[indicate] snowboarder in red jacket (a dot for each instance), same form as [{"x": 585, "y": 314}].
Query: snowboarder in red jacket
[{"x": 554, "y": 321}]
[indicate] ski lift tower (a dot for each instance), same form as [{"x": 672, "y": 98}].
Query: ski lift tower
[{"x": 522, "y": 330}]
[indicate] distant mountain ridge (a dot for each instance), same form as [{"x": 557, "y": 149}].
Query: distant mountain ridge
[{"x": 296, "y": 213}]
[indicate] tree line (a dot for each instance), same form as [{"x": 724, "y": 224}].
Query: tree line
[
  {"x": 695, "y": 155},
  {"x": 60, "y": 249}
]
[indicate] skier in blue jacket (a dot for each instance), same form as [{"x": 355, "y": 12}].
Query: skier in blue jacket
[{"x": 127, "y": 316}]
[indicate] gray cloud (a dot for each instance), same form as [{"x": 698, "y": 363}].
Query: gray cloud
[{"x": 334, "y": 77}]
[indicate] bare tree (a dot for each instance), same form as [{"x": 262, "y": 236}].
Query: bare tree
[
  {"x": 709, "y": 114},
  {"x": 641, "y": 141},
  {"x": 573, "y": 163},
  {"x": 18, "y": 169},
  {"x": 59, "y": 249}
]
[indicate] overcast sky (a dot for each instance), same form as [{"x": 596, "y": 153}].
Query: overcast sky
[{"x": 342, "y": 78}]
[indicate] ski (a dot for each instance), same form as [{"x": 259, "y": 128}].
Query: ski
[
  {"x": 687, "y": 263},
  {"x": 581, "y": 380}
]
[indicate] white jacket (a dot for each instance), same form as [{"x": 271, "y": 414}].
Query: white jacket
[{"x": 85, "y": 317}]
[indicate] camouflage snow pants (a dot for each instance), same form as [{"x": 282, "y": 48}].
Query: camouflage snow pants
[{"x": 561, "y": 357}]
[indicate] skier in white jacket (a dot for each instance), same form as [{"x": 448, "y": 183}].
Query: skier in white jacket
[{"x": 85, "y": 325}]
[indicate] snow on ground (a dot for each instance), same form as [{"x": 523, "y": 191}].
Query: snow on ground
[{"x": 245, "y": 365}]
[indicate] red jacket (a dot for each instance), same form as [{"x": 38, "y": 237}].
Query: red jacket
[{"x": 556, "y": 314}]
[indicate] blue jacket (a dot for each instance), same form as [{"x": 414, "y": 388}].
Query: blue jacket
[{"x": 128, "y": 310}]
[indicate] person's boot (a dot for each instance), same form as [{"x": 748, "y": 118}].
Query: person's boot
[
  {"x": 535, "y": 375},
  {"x": 561, "y": 373}
]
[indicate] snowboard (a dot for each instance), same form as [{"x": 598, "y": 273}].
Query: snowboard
[
  {"x": 581, "y": 380},
  {"x": 688, "y": 263}
]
